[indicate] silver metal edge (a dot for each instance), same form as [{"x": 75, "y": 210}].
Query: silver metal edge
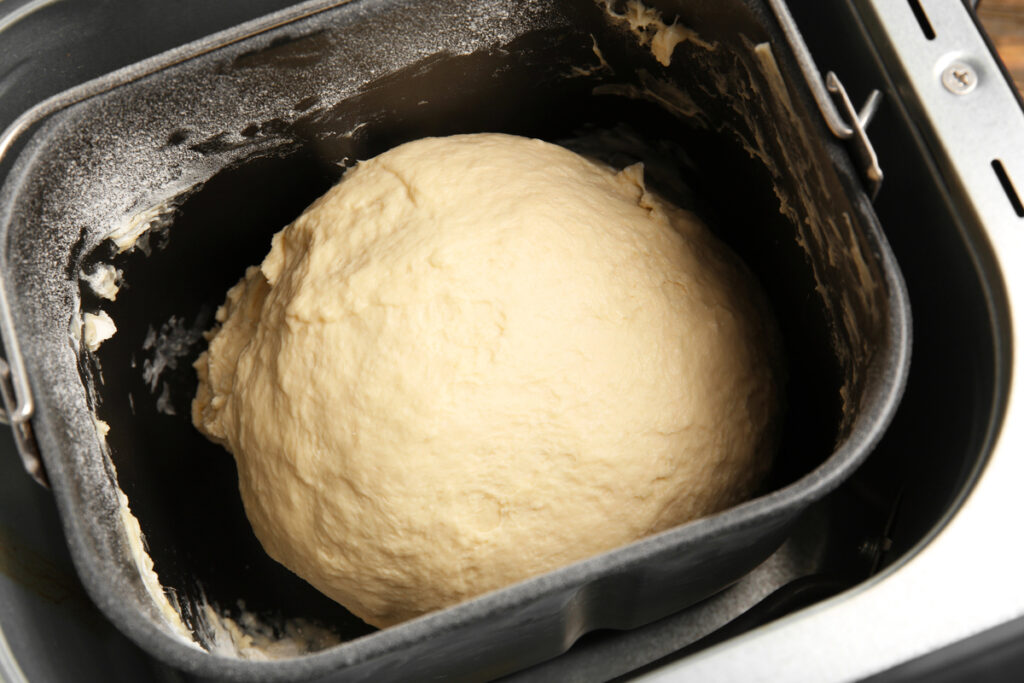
[{"x": 10, "y": 670}]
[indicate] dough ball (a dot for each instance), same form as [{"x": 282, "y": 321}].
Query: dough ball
[{"x": 479, "y": 358}]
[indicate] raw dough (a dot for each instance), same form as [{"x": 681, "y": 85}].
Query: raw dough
[
  {"x": 479, "y": 358},
  {"x": 96, "y": 329}
]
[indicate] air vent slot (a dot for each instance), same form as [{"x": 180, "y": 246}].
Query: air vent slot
[
  {"x": 1008, "y": 188},
  {"x": 922, "y": 19}
]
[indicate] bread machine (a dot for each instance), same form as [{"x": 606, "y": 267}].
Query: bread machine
[{"x": 855, "y": 578}]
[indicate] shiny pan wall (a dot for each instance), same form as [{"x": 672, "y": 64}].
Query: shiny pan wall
[{"x": 178, "y": 171}]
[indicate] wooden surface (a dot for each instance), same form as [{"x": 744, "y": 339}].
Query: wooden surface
[{"x": 1004, "y": 21}]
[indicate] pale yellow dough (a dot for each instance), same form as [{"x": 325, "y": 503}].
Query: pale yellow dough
[{"x": 479, "y": 358}]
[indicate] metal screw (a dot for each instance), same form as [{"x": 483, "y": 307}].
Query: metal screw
[{"x": 959, "y": 78}]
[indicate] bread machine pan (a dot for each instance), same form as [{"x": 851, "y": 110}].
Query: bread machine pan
[{"x": 178, "y": 170}]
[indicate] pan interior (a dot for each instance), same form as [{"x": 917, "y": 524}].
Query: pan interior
[{"x": 211, "y": 157}]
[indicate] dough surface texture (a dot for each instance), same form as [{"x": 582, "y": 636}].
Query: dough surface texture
[{"x": 479, "y": 358}]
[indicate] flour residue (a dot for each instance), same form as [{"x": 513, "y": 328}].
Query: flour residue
[
  {"x": 246, "y": 636},
  {"x": 75, "y": 329},
  {"x": 167, "y": 347},
  {"x": 163, "y": 402}
]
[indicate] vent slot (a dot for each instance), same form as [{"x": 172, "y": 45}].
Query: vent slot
[
  {"x": 1008, "y": 188},
  {"x": 922, "y": 19}
]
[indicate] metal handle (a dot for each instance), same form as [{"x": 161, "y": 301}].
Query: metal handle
[
  {"x": 24, "y": 439},
  {"x": 14, "y": 384},
  {"x": 854, "y": 125},
  {"x": 17, "y": 393}
]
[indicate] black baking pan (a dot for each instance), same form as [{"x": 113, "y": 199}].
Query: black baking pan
[{"x": 204, "y": 153}]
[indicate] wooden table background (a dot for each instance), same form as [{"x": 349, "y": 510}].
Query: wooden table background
[{"x": 1004, "y": 21}]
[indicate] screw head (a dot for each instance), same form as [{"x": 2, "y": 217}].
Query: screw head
[{"x": 959, "y": 78}]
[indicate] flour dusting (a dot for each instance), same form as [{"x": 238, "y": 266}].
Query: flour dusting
[
  {"x": 246, "y": 636},
  {"x": 166, "y": 347}
]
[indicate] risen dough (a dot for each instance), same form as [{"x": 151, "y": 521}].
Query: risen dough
[{"x": 479, "y": 358}]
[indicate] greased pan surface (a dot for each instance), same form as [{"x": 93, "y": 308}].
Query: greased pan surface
[{"x": 211, "y": 155}]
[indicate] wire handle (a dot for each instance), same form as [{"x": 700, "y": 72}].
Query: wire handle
[{"x": 852, "y": 126}]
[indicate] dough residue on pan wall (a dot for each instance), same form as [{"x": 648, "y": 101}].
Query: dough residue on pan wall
[
  {"x": 245, "y": 636},
  {"x": 144, "y": 564},
  {"x": 96, "y": 329},
  {"x": 104, "y": 281},
  {"x": 647, "y": 25},
  {"x": 135, "y": 231},
  {"x": 480, "y": 358}
]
